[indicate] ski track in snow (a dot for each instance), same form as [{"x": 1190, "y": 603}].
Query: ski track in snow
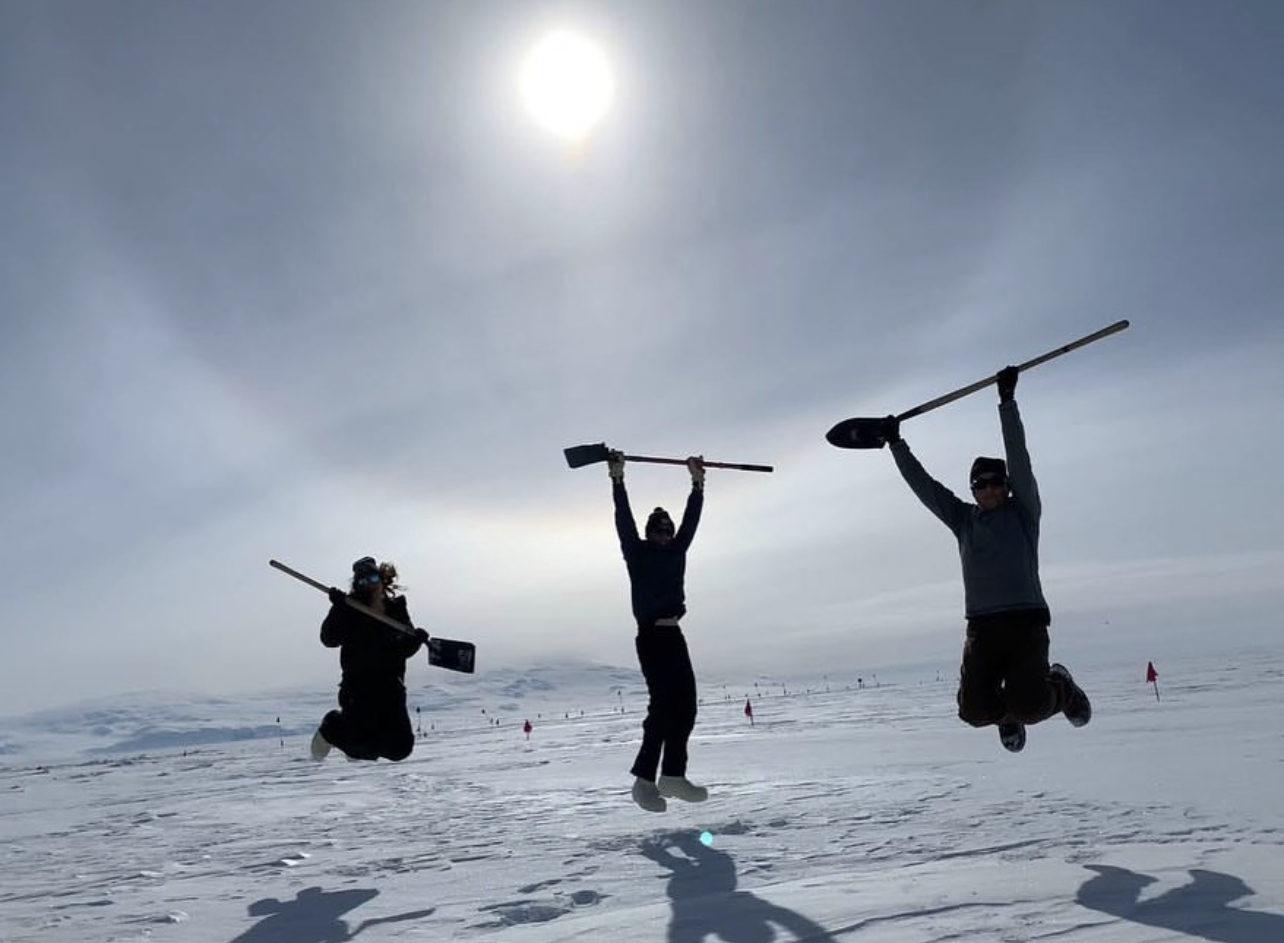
[{"x": 853, "y": 815}]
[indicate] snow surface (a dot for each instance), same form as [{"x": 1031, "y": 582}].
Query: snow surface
[{"x": 855, "y": 814}]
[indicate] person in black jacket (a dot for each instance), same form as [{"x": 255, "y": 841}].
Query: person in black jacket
[
  {"x": 657, "y": 567},
  {"x": 372, "y": 720}
]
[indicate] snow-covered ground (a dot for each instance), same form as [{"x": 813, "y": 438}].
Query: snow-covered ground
[{"x": 855, "y": 814}]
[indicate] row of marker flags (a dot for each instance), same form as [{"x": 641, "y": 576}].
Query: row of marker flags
[{"x": 1152, "y": 677}]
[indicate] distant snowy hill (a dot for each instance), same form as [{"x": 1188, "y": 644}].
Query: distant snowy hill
[{"x": 167, "y": 721}]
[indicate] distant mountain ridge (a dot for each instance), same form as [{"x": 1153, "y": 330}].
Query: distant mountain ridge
[{"x": 158, "y": 720}]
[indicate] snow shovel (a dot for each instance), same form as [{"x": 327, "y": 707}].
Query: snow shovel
[
  {"x": 446, "y": 653},
  {"x": 868, "y": 433},
  {"x": 577, "y": 456}
]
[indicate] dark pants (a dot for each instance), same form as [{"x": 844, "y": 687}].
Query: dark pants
[
  {"x": 1004, "y": 675},
  {"x": 369, "y": 725},
  {"x": 671, "y": 712}
]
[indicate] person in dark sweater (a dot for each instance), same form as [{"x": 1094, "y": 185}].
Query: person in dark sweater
[
  {"x": 1005, "y": 678},
  {"x": 372, "y": 720},
  {"x": 657, "y": 568}
]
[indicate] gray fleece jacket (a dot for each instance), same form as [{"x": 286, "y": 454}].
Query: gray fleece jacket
[{"x": 999, "y": 549}]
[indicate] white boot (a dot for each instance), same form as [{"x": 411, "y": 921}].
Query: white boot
[
  {"x": 320, "y": 746},
  {"x": 648, "y": 796},
  {"x": 679, "y": 787}
]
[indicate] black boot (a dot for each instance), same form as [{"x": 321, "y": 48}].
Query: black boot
[
  {"x": 1012, "y": 736},
  {"x": 1074, "y": 703}
]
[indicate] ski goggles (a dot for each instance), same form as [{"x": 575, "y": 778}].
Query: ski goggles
[{"x": 367, "y": 579}]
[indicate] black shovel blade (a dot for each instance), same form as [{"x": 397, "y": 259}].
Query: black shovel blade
[
  {"x": 857, "y": 434},
  {"x": 577, "y": 456},
  {"x": 452, "y": 654}
]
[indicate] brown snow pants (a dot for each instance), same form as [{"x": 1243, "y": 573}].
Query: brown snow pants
[{"x": 1004, "y": 675}]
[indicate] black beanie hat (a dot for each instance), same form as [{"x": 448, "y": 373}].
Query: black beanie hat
[
  {"x": 987, "y": 466},
  {"x": 365, "y": 565},
  {"x": 658, "y": 516}
]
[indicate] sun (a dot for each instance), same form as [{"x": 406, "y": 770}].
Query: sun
[{"x": 566, "y": 84}]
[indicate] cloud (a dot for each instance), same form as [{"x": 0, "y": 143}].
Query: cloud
[{"x": 266, "y": 306}]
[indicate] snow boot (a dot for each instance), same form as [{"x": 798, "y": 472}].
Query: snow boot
[
  {"x": 320, "y": 746},
  {"x": 679, "y": 787},
  {"x": 1012, "y": 736},
  {"x": 1074, "y": 703},
  {"x": 648, "y": 796}
]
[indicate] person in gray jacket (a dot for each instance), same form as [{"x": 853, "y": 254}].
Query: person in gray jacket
[{"x": 1005, "y": 678}]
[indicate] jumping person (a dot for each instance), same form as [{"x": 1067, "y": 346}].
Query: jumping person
[
  {"x": 372, "y": 720},
  {"x": 657, "y": 567},
  {"x": 1005, "y": 678}
]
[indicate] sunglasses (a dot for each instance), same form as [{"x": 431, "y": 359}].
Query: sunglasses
[
  {"x": 991, "y": 481},
  {"x": 368, "y": 579}
]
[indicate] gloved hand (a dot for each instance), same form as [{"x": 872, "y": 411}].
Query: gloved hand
[
  {"x": 615, "y": 465},
  {"x": 890, "y": 429},
  {"x": 695, "y": 465},
  {"x": 422, "y": 636},
  {"x": 1006, "y": 380},
  {"x": 337, "y": 596}
]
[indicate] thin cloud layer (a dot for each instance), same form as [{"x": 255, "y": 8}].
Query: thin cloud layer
[{"x": 303, "y": 282}]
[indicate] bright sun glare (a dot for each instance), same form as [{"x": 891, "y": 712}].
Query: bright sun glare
[{"x": 567, "y": 84}]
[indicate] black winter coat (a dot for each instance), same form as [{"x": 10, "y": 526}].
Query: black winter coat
[
  {"x": 372, "y": 655},
  {"x": 657, "y": 572}
]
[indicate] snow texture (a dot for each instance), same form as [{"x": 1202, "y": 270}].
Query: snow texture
[{"x": 864, "y": 814}]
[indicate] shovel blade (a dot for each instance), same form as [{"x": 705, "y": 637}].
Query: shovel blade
[
  {"x": 857, "y": 434},
  {"x": 577, "y": 456}
]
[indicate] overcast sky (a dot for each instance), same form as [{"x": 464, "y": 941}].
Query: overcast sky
[{"x": 303, "y": 280}]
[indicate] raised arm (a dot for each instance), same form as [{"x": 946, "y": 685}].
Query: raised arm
[
  {"x": 625, "y": 527},
  {"x": 1025, "y": 490},
  {"x": 937, "y": 498},
  {"x": 695, "y": 504}
]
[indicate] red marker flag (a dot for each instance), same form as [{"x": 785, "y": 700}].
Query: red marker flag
[{"x": 1152, "y": 677}]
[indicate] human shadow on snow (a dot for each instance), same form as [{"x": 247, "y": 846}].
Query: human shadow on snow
[
  {"x": 1200, "y": 909},
  {"x": 706, "y": 902},
  {"x": 314, "y": 917}
]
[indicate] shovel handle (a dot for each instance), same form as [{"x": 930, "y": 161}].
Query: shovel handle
[
  {"x": 577, "y": 456},
  {"x": 359, "y": 606},
  {"x": 1042, "y": 358},
  {"x": 738, "y": 466}
]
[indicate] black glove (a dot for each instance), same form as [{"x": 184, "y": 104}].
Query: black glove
[
  {"x": 890, "y": 429},
  {"x": 422, "y": 636},
  {"x": 1006, "y": 380},
  {"x": 337, "y": 596}
]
